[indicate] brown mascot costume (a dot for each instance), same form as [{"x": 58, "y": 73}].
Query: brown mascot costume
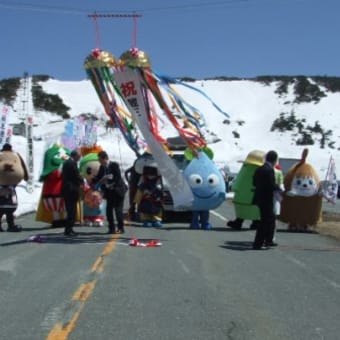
[
  {"x": 302, "y": 198},
  {"x": 12, "y": 171}
]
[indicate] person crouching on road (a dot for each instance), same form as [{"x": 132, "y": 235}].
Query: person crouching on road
[{"x": 149, "y": 198}]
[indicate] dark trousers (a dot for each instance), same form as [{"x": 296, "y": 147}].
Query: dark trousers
[
  {"x": 9, "y": 212},
  {"x": 132, "y": 194},
  {"x": 115, "y": 203},
  {"x": 266, "y": 226},
  {"x": 200, "y": 216},
  {"x": 71, "y": 211}
]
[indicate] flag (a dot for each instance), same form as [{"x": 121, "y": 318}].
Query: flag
[{"x": 330, "y": 187}]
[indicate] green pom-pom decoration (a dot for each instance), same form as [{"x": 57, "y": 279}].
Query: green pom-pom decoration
[{"x": 188, "y": 154}]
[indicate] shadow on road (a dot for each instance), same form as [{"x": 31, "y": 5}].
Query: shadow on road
[
  {"x": 238, "y": 245},
  {"x": 55, "y": 238}
]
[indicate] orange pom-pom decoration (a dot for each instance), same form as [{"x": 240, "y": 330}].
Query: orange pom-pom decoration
[{"x": 93, "y": 198}]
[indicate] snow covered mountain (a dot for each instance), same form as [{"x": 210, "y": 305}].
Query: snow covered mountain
[{"x": 264, "y": 115}]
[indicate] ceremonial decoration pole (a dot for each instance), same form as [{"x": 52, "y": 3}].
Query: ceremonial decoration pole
[{"x": 99, "y": 67}]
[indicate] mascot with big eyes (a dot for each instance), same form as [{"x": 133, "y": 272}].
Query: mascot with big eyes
[
  {"x": 51, "y": 208},
  {"x": 302, "y": 199},
  {"x": 12, "y": 171},
  {"x": 93, "y": 210},
  {"x": 243, "y": 189},
  {"x": 207, "y": 185}
]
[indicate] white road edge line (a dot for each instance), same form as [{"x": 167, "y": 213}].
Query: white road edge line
[{"x": 218, "y": 215}]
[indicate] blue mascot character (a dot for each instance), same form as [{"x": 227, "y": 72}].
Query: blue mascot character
[{"x": 208, "y": 188}]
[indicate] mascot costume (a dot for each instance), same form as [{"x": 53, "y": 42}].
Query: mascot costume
[
  {"x": 12, "y": 171},
  {"x": 51, "y": 207},
  {"x": 93, "y": 204},
  {"x": 207, "y": 185},
  {"x": 302, "y": 199},
  {"x": 244, "y": 191}
]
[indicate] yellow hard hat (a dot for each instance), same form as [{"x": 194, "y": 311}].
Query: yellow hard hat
[{"x": 255, "y": 157}]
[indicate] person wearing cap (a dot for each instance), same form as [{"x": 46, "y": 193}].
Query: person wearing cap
[
  {"x": 7, "y": 147},
  {"x": 265, "y": 186},
  {"x": 71, "y": 184}
]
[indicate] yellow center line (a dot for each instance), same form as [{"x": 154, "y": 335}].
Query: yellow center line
[
  {"x": 84, "y": 291},
  {"x": 61, "y": 331}
]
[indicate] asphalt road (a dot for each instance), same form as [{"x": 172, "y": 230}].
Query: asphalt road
[{"x": 196, "y": 285}]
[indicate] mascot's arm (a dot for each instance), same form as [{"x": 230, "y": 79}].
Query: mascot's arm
[
  {"x": 138, "y": 197},
  {"x": 57, "y": 161},
  {"x": 24, "y": 167}
]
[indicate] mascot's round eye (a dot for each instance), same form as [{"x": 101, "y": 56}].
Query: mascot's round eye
[
  {"x": 213, "y": 180},
  {"x": 195, "y": 181},
  {"x": 311, "y": 182},
  {"x": 88, "y": 171},
  {"x": 298, "y": 182}
]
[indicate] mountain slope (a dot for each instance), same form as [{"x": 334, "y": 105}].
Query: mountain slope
[
  {"x": 253, "y": 107},
  {"x": 304, "y": 110}
]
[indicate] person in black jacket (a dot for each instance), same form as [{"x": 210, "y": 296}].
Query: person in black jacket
[
  {"x": 264, "y": 183},
  {"x": 70, "y": 190},
  {"x": 114, "y": 188}
]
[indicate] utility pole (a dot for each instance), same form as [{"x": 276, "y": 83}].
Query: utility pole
[{"x": 26, "y": 113}]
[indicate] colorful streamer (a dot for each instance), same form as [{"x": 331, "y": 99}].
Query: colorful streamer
[{"x": 98, "y": 66}]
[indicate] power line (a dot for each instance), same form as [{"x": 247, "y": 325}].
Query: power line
[
  {"x": 42, "y": 8},
  {"x": 193, "y": 6},
  {"x": 81, "y": 11}
]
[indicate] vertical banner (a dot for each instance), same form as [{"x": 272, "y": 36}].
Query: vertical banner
[
  {"x": 78, "y": 131},
  {"x": 330, "y": 187},
  {"x": 9, "y": 135},
  {"x": 132, "y": 90},
  {"x": 4, "y": 125},
  {"x": 90, "y": 133}
]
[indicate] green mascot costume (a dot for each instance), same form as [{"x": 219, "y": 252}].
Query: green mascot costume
[
  {"x": 51, "y": 208},
  {"x": 244, "y": 191},
  {"x": 93, "y": 210}
]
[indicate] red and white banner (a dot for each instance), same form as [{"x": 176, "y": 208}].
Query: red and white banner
[
  {"x": 5, "y": 131},
  {"x": 135, "y": 97}
]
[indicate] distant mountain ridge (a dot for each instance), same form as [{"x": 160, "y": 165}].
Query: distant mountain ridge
[
  {"x": 286, "y": 113},
  {"x": 306, "y": 88}
]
